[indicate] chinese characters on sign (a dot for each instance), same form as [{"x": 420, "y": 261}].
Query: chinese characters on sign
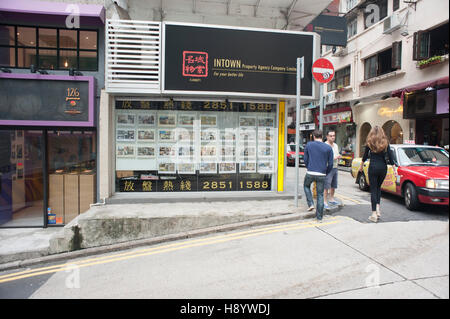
[
  {"x": 208, "y": 183},
  {"x": 195, "y": 64},
  {"x": 336, "y": 118}
]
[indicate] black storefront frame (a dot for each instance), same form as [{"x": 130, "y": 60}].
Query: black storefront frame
[
  {"x": 407, "y": 114},
  {"x": 45, "y": 164},
  {"x": 248, "y": 182}
]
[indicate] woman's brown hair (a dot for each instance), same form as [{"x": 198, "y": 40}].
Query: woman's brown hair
[{"x": 377, "y": 140}]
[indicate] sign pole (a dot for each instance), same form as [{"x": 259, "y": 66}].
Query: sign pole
[
  {"x": 321, "y": 107},
  {"x": 300, "y": 74}
]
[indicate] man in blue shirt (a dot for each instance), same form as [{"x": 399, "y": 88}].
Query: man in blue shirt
[{"x": 319, "y": 162}]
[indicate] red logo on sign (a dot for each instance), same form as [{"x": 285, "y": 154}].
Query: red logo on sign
[
  {"x": 323, "y": 70},
  {"x": 195, "y": 64}
]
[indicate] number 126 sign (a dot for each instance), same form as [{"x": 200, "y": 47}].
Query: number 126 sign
[{"x": 323, "y": 70}]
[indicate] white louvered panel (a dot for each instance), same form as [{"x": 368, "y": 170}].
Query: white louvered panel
[{"x": 133, "y": 56}]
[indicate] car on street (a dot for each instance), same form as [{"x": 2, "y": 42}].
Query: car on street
[
  {"x": 290, "y": 155},
  {"x": 422, "y": 175},
  {"x": 346, "y": 158}
]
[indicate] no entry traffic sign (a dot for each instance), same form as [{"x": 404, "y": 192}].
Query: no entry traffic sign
[{"x": 323, "y": 70}]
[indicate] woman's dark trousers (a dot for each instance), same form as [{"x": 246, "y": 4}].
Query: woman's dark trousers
[{"x": 377, "y": 174}]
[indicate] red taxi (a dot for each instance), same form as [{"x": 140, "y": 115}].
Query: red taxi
[
  {"x": 422, "y": 175},
  {"x": 290, "y": 155}
]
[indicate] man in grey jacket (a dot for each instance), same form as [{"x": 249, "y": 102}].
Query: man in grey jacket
[{"x": 319, "y": 162}]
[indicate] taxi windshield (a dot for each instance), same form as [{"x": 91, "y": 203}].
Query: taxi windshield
[{"x": 409, "y": 156}]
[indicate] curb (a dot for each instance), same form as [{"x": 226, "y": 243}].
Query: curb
[
  {"x": 153, "y": 241},
  {"x": 196, "y": 197},
  {"x": 288, "y": 217}
]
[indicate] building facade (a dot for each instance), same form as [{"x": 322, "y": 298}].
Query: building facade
[
  {"x": 110, "y": 97},
  {"x": 200, "y": 120},
  {"x": 52, "y": 66},
  {"x": 394, "y": 71}
]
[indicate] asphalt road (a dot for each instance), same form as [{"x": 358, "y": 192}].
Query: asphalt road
[
  {"x": 406, "y": 255},
  {"x": 357, "y": 202},
  {"x": 339, "y": 258}
]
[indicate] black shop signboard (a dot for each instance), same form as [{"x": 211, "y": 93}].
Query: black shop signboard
[
  {"x": 246, "y": 62},
  {"x": 48, "y": 101},
  {"x": 154, "y": 182}
]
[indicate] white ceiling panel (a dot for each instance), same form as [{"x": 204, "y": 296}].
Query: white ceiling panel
[{"x": 278, "y": 14}]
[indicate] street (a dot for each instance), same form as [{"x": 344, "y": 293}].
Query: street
[
  {"x": 357, "y": 202},
  {"x": 405, "y": 255}
]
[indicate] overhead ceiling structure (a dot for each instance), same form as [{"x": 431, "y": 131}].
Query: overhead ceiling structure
[{"x": 272, "y": 14}]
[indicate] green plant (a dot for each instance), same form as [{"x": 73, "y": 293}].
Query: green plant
[{"x": 436, "y": 58}]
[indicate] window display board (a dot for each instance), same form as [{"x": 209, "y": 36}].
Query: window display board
[{"x": 165, "y": 146}]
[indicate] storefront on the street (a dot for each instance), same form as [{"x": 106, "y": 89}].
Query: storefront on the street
[
  {"x": 51, "y": 69},
  {"x": 306, "y": 130},
  {"x": 195, "y": 146},
  {"x": 427, "y": 105},
  {"x": 48, "y": 149},
  {"x": 338, "y": 117},
  {"x": 430, "y": 110},
  {"x": 219, "y": 121},
  {"x": 387, "y": 114}
]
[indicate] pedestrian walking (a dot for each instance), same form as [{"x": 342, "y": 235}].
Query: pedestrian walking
[
  {"x": 331, "y": 181},
  {"x": 318, "y": 158},
  {"x": 377, "y": 146}
]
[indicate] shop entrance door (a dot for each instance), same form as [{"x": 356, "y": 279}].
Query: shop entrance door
[
  {"x": 21, "y": 178},
  {"x": 71, "y": 174}
]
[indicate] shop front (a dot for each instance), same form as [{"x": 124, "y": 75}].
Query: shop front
[
  {"x": 47, "y": 149},
  {"x": 426, "y": 105},
  {"x": 430, "y": 110},
  {"x": 339, "y": 118},
  {"x": 387, "y": 114},
  {"x": 219, "y": 121},
  {"x": 188, "y": 146}
]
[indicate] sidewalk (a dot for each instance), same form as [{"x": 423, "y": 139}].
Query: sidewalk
[{"x": 124, "y": 225}]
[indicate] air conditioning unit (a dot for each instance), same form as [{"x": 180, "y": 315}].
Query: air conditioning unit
[
  {"x": 392, "y": 23},
  {"x": 341, "y": 52},
  {"x": 330, "y": 98}
]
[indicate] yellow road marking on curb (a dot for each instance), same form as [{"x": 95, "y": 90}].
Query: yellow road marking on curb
[
  {"x": 167, "y": 246},
  {"x": 161, "y": 249}
]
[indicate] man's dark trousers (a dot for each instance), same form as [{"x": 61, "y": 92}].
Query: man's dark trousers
[{"x": 320, "y": 182}]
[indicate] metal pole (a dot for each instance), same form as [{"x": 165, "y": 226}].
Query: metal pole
[
  {"x": 297, "y": 125},
  {"x": 321, "y": 100}
]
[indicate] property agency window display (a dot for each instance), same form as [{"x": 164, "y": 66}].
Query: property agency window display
[{"x": 182, "y": 146}]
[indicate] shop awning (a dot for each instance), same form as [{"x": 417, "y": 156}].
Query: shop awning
[
  {"x": 420, "y": 86},
  {"x": 50, "y": 12}
]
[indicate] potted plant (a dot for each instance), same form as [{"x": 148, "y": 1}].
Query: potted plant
[
  {"x": 428, "y": 62},
  {"x": 340, "y": 88}
]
